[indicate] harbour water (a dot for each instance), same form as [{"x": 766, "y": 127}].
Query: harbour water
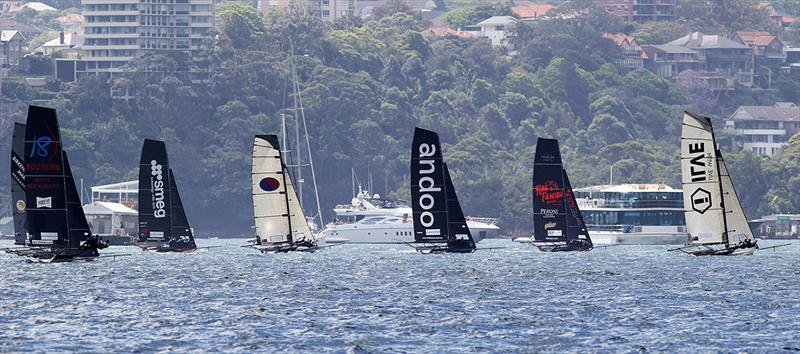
[{"x": 362, "y": 299}]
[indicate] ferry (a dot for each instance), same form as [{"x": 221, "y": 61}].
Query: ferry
[
  {"x": 370, "y": 219},
  {"x": 633, "y": 214}
]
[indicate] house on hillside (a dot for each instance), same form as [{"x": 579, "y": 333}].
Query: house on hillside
[
  {"x": 496, "y": 28},
  {"x": 11, "y": 52},
  {"x": 631, "y": 53},
  {"x": 720, "y": 54},
  {"x": 766, "y": 47},
  {"x": 764, "y": 130},
  {"x": 668, "y": 60},
  {"x": 531, "y": 12},
  {"x": 443, "y": 31},
  {"x": 68, "y": 44}
]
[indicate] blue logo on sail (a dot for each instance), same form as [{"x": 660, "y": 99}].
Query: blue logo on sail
[
  {"x": 269, "y": 184},
  {"x": 41, "y": 146}
]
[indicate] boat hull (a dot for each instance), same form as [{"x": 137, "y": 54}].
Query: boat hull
[
  {"x": 393, "y": 233},
  {"x": 562, "y": 247},
  {"x": 51, "y": 255}
]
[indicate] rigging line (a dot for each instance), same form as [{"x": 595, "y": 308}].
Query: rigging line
[{"x": 308, "y": 145}]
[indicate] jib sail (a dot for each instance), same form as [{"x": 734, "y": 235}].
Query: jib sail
[
  {"x": 576, "y": 226},
  {"x": 180, "y": 223},
  {"x": 18, "y": 202}
]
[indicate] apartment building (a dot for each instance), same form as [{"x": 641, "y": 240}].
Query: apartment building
[
  {"x": 640, "y": 10},
  {"x": 116, "y": 31},
  {"x": 326, "y": 9}
]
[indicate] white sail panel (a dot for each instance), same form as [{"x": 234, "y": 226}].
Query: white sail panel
[
  {"x": 702, "y": 201},
  {"x": 269, "y": 198},
  {"x": 300, "y": 229},
  {"x": 738, "y": 229}
]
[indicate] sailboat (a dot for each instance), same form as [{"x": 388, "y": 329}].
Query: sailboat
[
  {"x": 18, "y": 184},
  {"x": 715, "y": 219},
  {"x": 163, "y": 225},
  {"x": 557, "y": 220},
  {"x": 439, "y": 224},
  {"x": 280, "y": 223},
  {"x": 57, "y": 230}
]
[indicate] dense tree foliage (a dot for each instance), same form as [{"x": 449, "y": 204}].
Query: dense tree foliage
[{"x": 364, "y": 88}]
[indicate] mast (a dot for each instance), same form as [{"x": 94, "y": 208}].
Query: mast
[
  {"x": 719, "y": 183},
  {"x": 289, "y": 237}
]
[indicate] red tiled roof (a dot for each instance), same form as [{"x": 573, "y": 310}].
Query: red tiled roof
[
  {"x": 444, "y": 31},
  {"x": 763, "y": 40},
  {"x": 530, "y": 11},
  {"x": 789, "y": 19}
]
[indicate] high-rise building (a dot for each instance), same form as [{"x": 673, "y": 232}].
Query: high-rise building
[
  {"x": 117, "y": 31},
  {"x": 326, "y": 9},
  {"x": 640, "y": 10}
]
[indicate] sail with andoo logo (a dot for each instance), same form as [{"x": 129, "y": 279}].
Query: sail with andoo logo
[{"x": 439, "y": 223}]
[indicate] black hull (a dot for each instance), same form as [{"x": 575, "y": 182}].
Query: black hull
[
  {"x": 575, "y": 246},
  {"x": 54, "y": 255},
  {"x": 436, "y": 249}
]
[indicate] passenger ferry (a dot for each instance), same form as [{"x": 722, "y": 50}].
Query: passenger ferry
[
  {"x": 370, "y": 219},
  {"x": 633, "y": 214}
]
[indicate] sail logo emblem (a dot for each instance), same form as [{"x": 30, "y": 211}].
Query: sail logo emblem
[
  {"x": 701, "y": 200},
  {"x": 44, "y": 202},
  {"x": 21, "y": 205},
  {"x": 269, "y": 184},
  {"x": 41, "y": 146},
  {"x": 157, "y": 189},
  {"x": 550, "y": 225},
  {"x": 550, "y": 193}
]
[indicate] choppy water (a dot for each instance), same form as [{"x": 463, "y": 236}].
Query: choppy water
[{"x": 390, "y": 299}]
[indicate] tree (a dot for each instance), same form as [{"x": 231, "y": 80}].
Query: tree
[
  {"x": 240, "y": 23},
  {"x": 390, "y": 7}
]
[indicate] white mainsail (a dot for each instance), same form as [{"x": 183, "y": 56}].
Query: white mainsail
[
  {"x": 738, "y": 229},
  {"x": 276, "y": 209},
  {"x": 702, "y": 199}
]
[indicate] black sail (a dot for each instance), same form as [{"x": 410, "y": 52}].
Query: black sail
[
  {"x": 18, "y": 184},
  {"x": 576, "y": 226},
  {"x": 549, "y": 209},
  {"x": 154, "y": 193},
  {"x": 180, "y": 223},
  {"x": 78, "y": 227},
  {"x": 459, "y": 235},
  {"x": 428, "y": 196},
  {"x": 45, "y": 197}
]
